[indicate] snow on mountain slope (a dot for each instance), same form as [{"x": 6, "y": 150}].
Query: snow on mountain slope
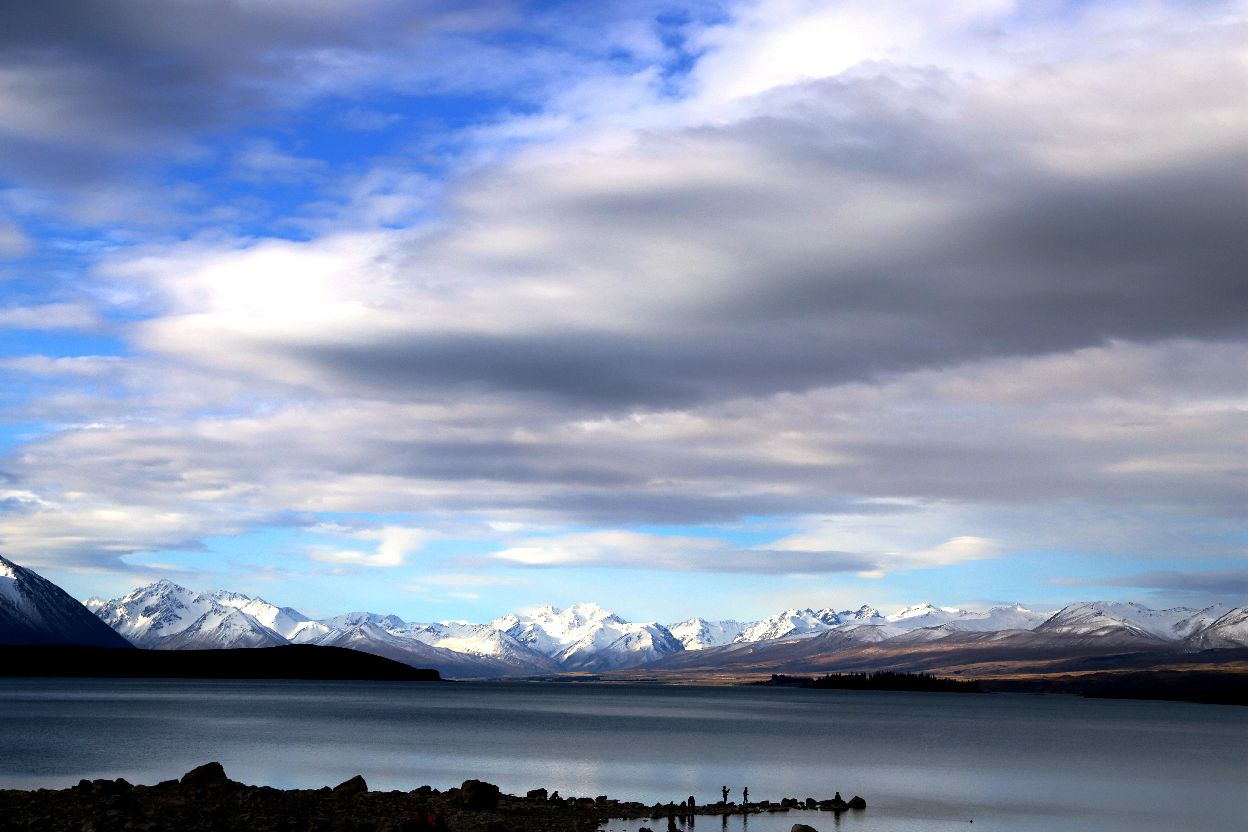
[
  {"x": 863, "y": 615},
  {"x": 1012, "y": 617},
  {"x": 480, "y": 640},
  {"x": 587, "y": 637},
  {"x": 222, "y": 627},
  {"x": 166, "y": 616},
  {"x": 368, "y": 637},
  {"x": 618, "y": 644},
  {"x": 33, "y": 610},
  {"x": 699, "y": 634},
  {"x": 353, "y": 619},
  {"x": 1089, "y": 617},
  {"x": 1200, "y": 620},
  {"x": 291, "y": 624},
  {"x": 1093, "y": 620},
  {"x": 1230, "y": 630},
  {"x": 791, "y": 623}
]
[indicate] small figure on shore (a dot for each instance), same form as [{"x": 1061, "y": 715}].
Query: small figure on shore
[
  {"x": 725, "y": 795},
  {"x": 745, "y": 796}
]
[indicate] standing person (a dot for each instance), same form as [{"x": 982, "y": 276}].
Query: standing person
[
  {"x": 745, "y": 796},
  {"x": 725, "y": 795}
]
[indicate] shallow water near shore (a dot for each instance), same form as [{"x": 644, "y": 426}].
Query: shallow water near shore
[{"x": 922, "y": 761}]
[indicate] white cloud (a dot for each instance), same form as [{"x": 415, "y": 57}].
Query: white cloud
[
  {"x": 13, "y": 243},
  {"x": 394, "y": 544},
  {"x": 49, "y": 316}
]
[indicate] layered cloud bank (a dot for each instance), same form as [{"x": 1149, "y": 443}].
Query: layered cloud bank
[{"x": 922, "y": 286}]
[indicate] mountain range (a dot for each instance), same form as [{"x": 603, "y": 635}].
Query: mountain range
[{"x": 585, "y": 638}]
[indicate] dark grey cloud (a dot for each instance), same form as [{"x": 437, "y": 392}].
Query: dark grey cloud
[
  {"x": 111, "y": 95},
  {"x": 1226, "y": 583},
  {"x": 1031, "y": 267}
]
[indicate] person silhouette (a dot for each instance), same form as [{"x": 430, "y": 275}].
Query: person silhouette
[
  {"x": 725, "y": 795},
  {"x": 745, "y": 796}
]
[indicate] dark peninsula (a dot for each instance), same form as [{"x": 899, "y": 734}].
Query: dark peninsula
[{"x": 294, "y": 661}]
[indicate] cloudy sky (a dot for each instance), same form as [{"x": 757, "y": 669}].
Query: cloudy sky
[{"x": 451, "y": 308}]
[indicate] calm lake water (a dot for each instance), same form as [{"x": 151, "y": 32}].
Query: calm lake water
[{"x": 922, "y": 761}]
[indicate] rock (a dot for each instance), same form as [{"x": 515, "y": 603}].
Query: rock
[
  {"x": 206, "y": 775},
  {"x": 811, "y": 803},
  {"x": 537, "y": 794},
  {"x": 801, "y": 827},
  {"x": 857, "y": 802},
  {"x": 477, "y": 794},
  {"x": 355, "y": 785}
]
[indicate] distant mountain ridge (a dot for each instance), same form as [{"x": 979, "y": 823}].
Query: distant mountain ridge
[{"x": 588, "y": 638}]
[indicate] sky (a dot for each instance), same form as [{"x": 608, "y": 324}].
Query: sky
[{"x": 448, "y": 309}]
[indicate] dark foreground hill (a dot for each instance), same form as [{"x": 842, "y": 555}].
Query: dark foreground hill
[{"x": 296, "y": 661}]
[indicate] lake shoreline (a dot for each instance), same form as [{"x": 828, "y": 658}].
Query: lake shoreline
[{"x": 206, "y": 800}]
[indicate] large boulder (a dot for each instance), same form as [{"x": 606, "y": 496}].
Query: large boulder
[
  {"x": 355, "y": 785},
  {"x": 537, "y": 794},
  {"x": 209, "y": 774},
  {"x": 857, "y": 802},
  {"x": 801, "y": 827},
  {"x": 477, "y": 794}
]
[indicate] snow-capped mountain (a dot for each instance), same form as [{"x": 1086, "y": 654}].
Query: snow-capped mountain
[
  {"x": 587, "y": 637},
  {"x": 290, "y": 624},
  {"x": 699, "y": 634},
  {"x": 795, "y": 623},
  {"x": 1012, "y": 617},
  {"x": 479, "y": 640},
  {"x": 1229, "y": 630},
  {"x": 368, "y": 637},
  {"x": 166, "y": 616},
  {"x": 1091, "y": 621},
  {"x": 1114, "y": 618},
  {"x": 791, "y": 623},
  {"x": 354, "y": 619},
  {"x": 33, "y": 610}
]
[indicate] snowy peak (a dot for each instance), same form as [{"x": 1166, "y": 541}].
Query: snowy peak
[
  {"x": 478, "y": 640},
  {"x": 355, "y": 619},
  {"x": 1103, "y": 617},
  {"x": 699, "y": 634},
  {"x": 167, "y": 616},
  {"x": 588, "y": 637},
  {"x": 33, "y": 610},
  {"x": 1229, "y": 630},
  {"x": 925, "y": 616},
  {"x": 792, "y": 623},
  {"x": 863, "y": 615},
  {"x": 918, "y": 610}
]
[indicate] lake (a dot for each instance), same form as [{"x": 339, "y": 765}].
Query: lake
[{"x": 922, "y": 761}]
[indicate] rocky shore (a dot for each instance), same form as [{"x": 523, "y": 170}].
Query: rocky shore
[{"x": 206, "y": 800}]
